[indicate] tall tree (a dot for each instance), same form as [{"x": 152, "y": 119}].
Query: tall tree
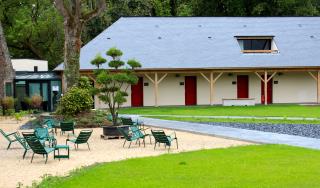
[
  {"x": 76, "y": 14},
  {"x": 6, "y": 70},
  {"x": 34, "y": 29}
]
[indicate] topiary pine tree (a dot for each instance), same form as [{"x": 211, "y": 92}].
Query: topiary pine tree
[{"x": 114, "y": 81}]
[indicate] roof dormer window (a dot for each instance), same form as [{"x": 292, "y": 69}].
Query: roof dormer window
[{"x": 257, "y": 44}]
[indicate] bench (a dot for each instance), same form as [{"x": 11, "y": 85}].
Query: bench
[{"x": 238, "y": 102}]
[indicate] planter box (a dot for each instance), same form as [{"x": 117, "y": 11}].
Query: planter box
[
  {"x": 238, "y": 102},
  {"x": 112, "y": 131}
]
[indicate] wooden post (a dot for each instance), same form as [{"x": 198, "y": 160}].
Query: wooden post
[
  {"x": 211, "y": 88},
  {"x": 156, "y": 89},
  {"x": 211, "y": 81},
  {"x": 265, "y": 88},
  {"x": 318, "y": 87}
]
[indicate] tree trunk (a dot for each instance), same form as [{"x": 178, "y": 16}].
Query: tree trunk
[
  {"x": 72, "y": 46},
  {"x": 6, "y": 70}
]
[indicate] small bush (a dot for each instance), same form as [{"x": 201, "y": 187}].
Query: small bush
[
  {"x": 76, "y": 100},
  {"x": 7, "y": 104},
  {"x": 36, "y": 101},
  {"x": 27, "y": 101}
]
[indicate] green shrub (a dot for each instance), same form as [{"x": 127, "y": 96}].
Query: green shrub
[
  {"x": 7, "y": 104},
  {"x": 76, "y": 100}
]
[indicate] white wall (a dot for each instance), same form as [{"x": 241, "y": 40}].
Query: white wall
[
  {"x": 291, "y": 88},
  {"x": 28, "y": 64},
  {"x": 295, "y": 88}
]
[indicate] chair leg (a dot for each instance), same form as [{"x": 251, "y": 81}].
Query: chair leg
[
  {"x": 144, "y": 142},
  {"x": 130, "y": 144},
  {"x": 155, "y": 144},
  {"x": 47, "y": 159},
  {"x": 24, "y": 154},
  {"x": 124, "y": 143},
  {"x": 32, "y": 157},
  {"x": 9, "y": 145},
  {"x": 177, "y": 142},
  {"x": 88, "y": 146}
]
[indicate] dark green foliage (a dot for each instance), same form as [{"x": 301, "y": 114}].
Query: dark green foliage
[
  {"x": 114, "y": 83},
  {"x": 76, "y": 100},
  {"x": 134, "y": 63},
  {"x": 33, "y": 29},
  {"x": 114, "y": 52},
  {"x": 116, "y": 64},
  {"x": 99, "y": 60}
]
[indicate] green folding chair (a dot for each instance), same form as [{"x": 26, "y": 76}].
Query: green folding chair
[
  {"x": 129, "y": 121},
  {"x": 37, "y": 147},
  {"x": 82, "y": 138},
  {"x": 161, "y": 137},
  {"x": 67, "y": 126},
  {"x": 42, "y": 133},
  {"x": 140, "y": 133},
  {"x": 129, "y": 136},
  {"x": 9, "y": 137},
  {"x": 23, "y": 143}
]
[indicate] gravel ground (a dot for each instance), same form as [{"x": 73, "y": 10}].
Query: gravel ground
[
  {"x": 18, "y": 170},
  {"x": 306, "y": 130}
]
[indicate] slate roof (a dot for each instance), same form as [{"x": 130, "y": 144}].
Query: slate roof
[
  {"x": 21, "y": 75},
  {"x": 208, "y": 42}
]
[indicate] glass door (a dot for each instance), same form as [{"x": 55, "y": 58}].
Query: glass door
[{"x": 34, "y": 89}]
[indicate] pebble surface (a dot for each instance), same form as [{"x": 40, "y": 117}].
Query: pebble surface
[{"x": 306, "y": 130}]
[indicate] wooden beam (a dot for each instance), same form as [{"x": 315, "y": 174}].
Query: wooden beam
[
  {"x": 313, "y": 76},
  {"x": 271, "y": 76},
  {"x": 212, "y": 81},
  {"x": 211, "y": 88},
  {"x": 156, "y": 89},
  {"x": 265, "y": 88},
  {"x": 318, "y": 87},
  {"x": 259, "y": 76},
  {"x": 162, "y": 78},
  {"x": 219, "y": 75},
  {"x": 205, "y": 77},
  {"x": 149, "y": 78}
]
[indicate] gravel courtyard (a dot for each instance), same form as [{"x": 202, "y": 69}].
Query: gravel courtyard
[{"x": 18, "y": 170}]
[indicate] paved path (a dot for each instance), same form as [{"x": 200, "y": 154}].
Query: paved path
[
  {"x": 235, "y": 133},
  {"x": 233, "y": 117}
]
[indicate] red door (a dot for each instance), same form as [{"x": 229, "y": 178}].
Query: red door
[
  {"x": 190, "y": 90},
  {"x": 137, "y": 93},
  {"x": 269, "y": 92},
  {"x": 242, "y": 86}
]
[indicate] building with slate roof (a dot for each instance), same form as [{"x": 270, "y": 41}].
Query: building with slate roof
[{"x": 215, "y": 60}]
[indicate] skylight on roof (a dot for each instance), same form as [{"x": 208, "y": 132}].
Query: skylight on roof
[{"x": 257, "y": 44}]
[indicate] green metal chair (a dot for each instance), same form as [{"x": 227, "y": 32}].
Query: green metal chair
[
  {"x": 43, "y": 135},
  {"x": 23, "y": 143},
  {"x": 9, "y": 137},
  {"x": 37, "y": 147},
  {"x": 82, "y": 138},
  {"x": 140, "y": 133},
  {"x": 161, "y": 137},
  {"x": 129, "y": 136},
  {"x": 67, "y": 126}
]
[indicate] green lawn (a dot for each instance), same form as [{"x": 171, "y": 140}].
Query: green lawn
[
  {"x": 228, "y": 120},
  {"x": 270, "y": 110},
  {"x": 247, "y": 166}
]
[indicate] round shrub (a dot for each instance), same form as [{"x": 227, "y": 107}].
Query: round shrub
[{"x": 76, "y": 100}]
